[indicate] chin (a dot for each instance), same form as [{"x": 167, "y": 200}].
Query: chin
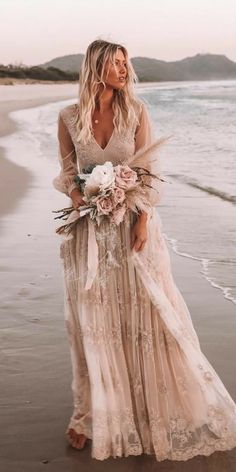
[{"x": 119, "y": 86}]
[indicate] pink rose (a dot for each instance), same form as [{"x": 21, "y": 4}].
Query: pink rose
[
  {"x": 118, "y": 195},
  {"x": 125, "y": 177},
  {"x": 105, "y": 205}
]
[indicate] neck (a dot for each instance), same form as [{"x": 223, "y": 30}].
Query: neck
[{"x": 104, "y": 100}]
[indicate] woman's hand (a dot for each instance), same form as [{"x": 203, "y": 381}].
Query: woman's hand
[
  {"x": 139, "y": 233},
  {"x": 77, "y": 199}
]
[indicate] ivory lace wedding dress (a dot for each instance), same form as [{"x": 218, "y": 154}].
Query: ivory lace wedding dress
[{"x": 141, "y": 383}]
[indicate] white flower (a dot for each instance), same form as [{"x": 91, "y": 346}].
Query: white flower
[{"x": 101, "y": 178}]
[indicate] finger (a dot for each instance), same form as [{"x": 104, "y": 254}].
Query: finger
[
  {"x": 137, "y": 244},
  {"x": 75, "y": 205},
  {"x": 78, "y": 203},
  {"x": 142, "y": 245},
  {"x": 75, "y": 202}
]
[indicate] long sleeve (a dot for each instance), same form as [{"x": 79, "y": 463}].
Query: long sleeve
[
  {"x": 64, "y": 182},
  {"x": 144, "y": 137},
  {"x": 144, "y": 134}
]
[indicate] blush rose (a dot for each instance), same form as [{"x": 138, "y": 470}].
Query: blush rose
[{"x": 125, "y": 177}]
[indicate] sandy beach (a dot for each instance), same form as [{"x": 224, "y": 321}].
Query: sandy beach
[{"x": 36, "y": 398}]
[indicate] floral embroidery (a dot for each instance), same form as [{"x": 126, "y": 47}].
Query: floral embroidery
[
  {"x": 162, "y": 389},
  {"x": 207, "y": 376},
  {"x": 183, "y": 384},
  {"x": 124, "y": 356}
]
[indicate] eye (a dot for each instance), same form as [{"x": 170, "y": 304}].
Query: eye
[{"x": 117, "y": 62}]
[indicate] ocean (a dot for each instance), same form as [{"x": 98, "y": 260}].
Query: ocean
[
  {"x": 198, "y": 162},
  {"x": 198, "y": 210}
]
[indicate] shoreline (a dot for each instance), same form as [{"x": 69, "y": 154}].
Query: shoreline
[
  {"x": 14, "y": 185},
  {"x": 7, "y": 125},
  {"x": 36, "y": 368},
  {"x": 12, "y": 172},
  {"x": 11, "y": 81}
]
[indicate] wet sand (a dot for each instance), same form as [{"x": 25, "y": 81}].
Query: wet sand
[
  {"x": 36, "y": 399},
  {"x": 18, "y": 97}
]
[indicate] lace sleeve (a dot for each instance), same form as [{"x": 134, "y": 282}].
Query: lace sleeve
[
  {"x": 64, "y": 182},
  {"x": 144, "y": 134},
  {"x": 144, "y": 137}
]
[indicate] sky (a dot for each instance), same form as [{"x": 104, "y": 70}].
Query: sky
[{"x": 36, "y": 31}]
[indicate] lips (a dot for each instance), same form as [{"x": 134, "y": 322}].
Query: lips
[{"x": 122, "y": 79}]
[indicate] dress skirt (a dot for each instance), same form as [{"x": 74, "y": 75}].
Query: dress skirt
[{"x": 140, "y": 381}]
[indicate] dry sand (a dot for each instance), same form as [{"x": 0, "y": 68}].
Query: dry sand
[{"x": 36, "y": 399}]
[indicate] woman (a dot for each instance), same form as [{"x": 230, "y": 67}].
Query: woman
[{"x": 140, "y": 381}]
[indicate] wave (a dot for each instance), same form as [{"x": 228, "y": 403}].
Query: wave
[
  {"x": 205, "y": 263},
  {"x": 205, "y": 188}
]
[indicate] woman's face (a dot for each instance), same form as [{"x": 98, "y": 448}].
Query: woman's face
[{"x": 115, "y": 75}]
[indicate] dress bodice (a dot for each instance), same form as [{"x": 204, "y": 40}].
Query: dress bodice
[
  {"x": 75, "y": 156},
  {"x": 118, "y": 149}
]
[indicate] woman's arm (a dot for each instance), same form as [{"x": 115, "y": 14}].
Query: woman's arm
[
  {"x": 64, "y": 182},
  {"x": 143, "y": 137}
]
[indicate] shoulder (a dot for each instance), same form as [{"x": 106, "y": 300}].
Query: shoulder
[
  {"x": 141, "y": 108},
  {"x": 142, "y": 114},
  {"x": 137, "y": 105},
  {"x": 67, "y": 116},
  {"x": 69, "y": 110}
]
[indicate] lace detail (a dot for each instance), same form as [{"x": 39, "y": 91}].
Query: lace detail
[
  {"x": 117, "y": 323},
  {"x": 99, "y": 336},
  {"x": 139, "y": 379},
  {"x": 121, "y": 147},
  {"x": 180, "y": 441}
]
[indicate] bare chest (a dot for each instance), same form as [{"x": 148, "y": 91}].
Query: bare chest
[{"x": 103, "y": 128}]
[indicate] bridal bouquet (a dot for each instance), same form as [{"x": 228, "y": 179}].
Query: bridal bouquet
[{"x": 109, "y": 191}]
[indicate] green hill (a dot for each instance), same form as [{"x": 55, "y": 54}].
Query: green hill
[{"x": 198, "y": 67}]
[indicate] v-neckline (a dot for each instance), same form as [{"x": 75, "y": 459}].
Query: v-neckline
[{"x": 108, "y": 142}]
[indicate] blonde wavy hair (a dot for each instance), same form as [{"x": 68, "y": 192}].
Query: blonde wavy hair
[{"x": 91, "y": 76}]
